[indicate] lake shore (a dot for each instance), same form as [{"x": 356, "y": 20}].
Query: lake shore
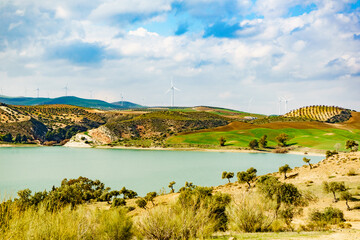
[{"x": 309, "y": 152}]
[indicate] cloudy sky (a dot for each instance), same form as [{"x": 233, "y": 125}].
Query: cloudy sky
[{"x": 241, "y": 54}]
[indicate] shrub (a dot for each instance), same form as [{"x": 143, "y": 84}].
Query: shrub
[
  {"x": 351, "y": 172},
  {"x": 175, "y": 222},
  {"x": 254, "y": 144},
  {"x": 81, "y": 223},
  {"x": 331, "y": 153},
  {"x": 117, "y": 202},
  {"x": 202, "y": 197},
  {"x": 330, "y": 215},
  {"x": 141, "y": 203},
  {"x": 222, "y": 141},
  {"x": 250, "y": 215}
]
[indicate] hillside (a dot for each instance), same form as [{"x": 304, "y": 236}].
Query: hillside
[
  {"x": 70, "y": 100},
  {"x": 322, "y": 113},
  {"x": 153, "y": 126},
  {"x": 303, "y": 134},
  {"x": 47, "y": 122}
]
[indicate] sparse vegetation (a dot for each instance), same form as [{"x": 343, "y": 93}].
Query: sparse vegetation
[
  {"x": 254, "y": 144},
  {"x": 282, "y": 139},
  {"x": 247, "y": 177},
  {"x": 307, "y": 160},
  {"x": 334, "y": 187},
  {"x": 227, "y": 175},
  {"x": 284, "y": 169}
]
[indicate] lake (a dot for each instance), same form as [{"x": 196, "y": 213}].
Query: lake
[{"x": 39, "y": 168}]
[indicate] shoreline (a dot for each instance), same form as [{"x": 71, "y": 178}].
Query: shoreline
[{"x": 310, "y": 152}]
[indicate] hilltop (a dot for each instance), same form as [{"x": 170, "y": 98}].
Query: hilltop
[
  {"x": 69, "y": 100},
  {"x": 322, "y": 113}
]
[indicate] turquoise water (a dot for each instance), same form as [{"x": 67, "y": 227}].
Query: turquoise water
[{"x": 39, "y": 168}]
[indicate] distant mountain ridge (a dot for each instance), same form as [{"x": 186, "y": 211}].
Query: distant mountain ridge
[{"x": 69, "y": 100}]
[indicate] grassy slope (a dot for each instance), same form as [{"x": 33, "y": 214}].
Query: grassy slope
[{"x": 307, "y": 134}]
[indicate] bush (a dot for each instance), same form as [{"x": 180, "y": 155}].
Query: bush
[
  {"x": 117, "y": 202},
  {"x": 81, "y": 223},
  {"x": 331, "y": 153},
  {"x": 250, "y": 215},
  {"x": 330, "y": 215},
  {"x": 175, "y": 222}
]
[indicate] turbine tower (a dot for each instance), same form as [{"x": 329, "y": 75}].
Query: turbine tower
[
  {"x": 66, "y": 90},
  {"x": 286, "y": 100},
  {"x": 172, "y": 89},
  {"x": 37, "y": 92},
  {"x": 280, "y": 100}
]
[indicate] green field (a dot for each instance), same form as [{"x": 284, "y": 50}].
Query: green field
[{"x": 323, "y": 139}]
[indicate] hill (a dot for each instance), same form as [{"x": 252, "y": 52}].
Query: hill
[
  {"x": 322, "y": 113},
  {"x": 153, "y": 127},
  {"x": 303, "y": 134},
  {"x": 47, "y": 122},
  {"x": 69, "y": 100}
]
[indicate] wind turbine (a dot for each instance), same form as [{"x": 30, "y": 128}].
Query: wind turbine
[
  {"x": 286, "y": 100},
  {"x": 172, "y": 89},
  {"x": 38, "y": 92},
  {"x": 66, "y": 90},
  {"x": 280, "y": 100},
  {"x": 122, "y": 99}
]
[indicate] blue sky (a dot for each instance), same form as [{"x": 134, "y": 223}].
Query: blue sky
[{"x": 241, "y": 54}]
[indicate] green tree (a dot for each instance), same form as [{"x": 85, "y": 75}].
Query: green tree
[
  {"x": 7, "y": 137},
  {"x": 222, "y": 141},
  {"x": 352, "y": 145},
  {"x": 281, "y": 193},
  {"x": 254, "y": 144},
  {"x": 307, "y": 160},
  {"x": 227, "y": 175},
  {"x": 17, "y": 138},
  {"x": 263, "y": 141},
  {"x": 24, "y": 139},
  {"x": 171, "y": 186},
  {"x": 333, "y": 187},
  {"x": 284, "y": 169},
  {"x": 141, "y": 203},
  {"x": 118, "y": 202},
  {"x": 347, "y": 196},
  {"x": 330, "y": 153},
  {"x": 150, "y": 197},
  {"x": 282, "y": 139},
  {"x": 248, "y": 176}
]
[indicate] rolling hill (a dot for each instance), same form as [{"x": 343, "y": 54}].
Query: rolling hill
[
  {"x": 70, "y": 100},
  {"x": 311, "y": 134},
  {"x": 322, "y": 113}
]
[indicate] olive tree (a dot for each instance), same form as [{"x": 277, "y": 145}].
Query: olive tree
[
  {"x": 307, "y": 160},
  {"x": 254, "y": 144},
  {"x": 247, "y": 177},
  {"x": 227, "y": 175},
  {"x": 284, "y": 169},
  {"x": 282, "y": 139},
  {"x": 263, "y": 142},
  {"x": 333, "y": 187},
  {"x": 171, "y": 186}
]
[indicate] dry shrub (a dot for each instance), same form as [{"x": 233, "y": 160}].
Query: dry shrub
[
  {"x": 280, "y": 150},
  {"x": 81, "y": 223},
  {"x": 174, "y": 222},
  {"x": 252, "y": 213}
]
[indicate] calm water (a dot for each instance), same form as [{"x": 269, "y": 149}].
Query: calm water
[{"x": 39, "y": 168}]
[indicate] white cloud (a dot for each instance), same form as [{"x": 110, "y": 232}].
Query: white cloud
[{"x": 113, "y": 7}]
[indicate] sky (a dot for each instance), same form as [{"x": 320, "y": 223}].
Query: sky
[{"x": 239, "y": 54}]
